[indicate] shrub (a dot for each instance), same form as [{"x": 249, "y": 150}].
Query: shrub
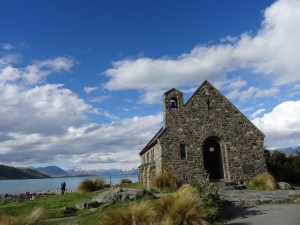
[
  {"x": 209, "y": 194},
  {"x": 125, "y": 181},
  {"x": 134, "y": 214},
  {"x": 264, "y": 181},
  {"x": 166, "y": 180},
  {"x": 90, "y": 185},
  {"x": 181, "y": 208}
]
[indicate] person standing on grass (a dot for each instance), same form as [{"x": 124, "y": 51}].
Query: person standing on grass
[{"x": 63, "y": 187}]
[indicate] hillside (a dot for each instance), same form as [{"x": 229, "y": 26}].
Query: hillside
[
  {"x": 9, "y": 172},
  {"x": 51, "y": 171}
]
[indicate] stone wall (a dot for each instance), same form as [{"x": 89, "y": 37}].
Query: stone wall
[{"x": 151, "y": 165}]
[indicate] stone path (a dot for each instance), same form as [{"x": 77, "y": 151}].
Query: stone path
[{"x": 258, "y": 197}]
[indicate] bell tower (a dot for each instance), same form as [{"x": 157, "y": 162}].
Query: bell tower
[{"x": 172, "y": 104}]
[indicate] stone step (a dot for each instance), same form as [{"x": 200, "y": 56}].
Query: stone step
[{"x": 228, "y": 185}]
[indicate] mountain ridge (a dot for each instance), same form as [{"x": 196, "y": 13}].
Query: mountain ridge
[{"x": 9, "y": 173}]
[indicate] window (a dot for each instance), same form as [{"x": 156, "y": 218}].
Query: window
[
  {"x": 183, "y": 152},
  {"x": 173, "y": 103}
]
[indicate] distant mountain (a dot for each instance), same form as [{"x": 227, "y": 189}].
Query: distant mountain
[
  {"x": 9, "y": 172},
  {"x": 52, "y": 171},
  {"x": 290, "y": 150},
  {"x": 111, "y": 172}
]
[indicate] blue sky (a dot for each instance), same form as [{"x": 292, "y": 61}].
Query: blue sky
[{"x": 81, "y": 81}]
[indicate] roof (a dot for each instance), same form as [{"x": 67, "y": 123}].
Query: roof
[{"x": 153, "y": 141}]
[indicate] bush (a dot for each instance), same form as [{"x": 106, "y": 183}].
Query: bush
[
  {"x": 283, "y": 167},
  {"x": 264, "y": 181},
  {"x": 125, "y": 181},
  {"x": 90, "y": 185},
  {"x": 166, "y": 180},
  {"x": 184, "y": 207},
  {"x": 209, "y": 194},
  {"x": 135, "y": 214}
]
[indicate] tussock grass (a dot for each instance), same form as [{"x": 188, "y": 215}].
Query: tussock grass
[
  {"x": 167, "y": 179},
  {"x": 125, "y": 181},
  {"x": 182, "y": 208},
  {"x": 91, "y": 185},
  {"x": 4, "y": 220},
  {"x": 263, "y": 181},
  {"x": 36, "y": 217},
  {"x": 134, "y": 214}
]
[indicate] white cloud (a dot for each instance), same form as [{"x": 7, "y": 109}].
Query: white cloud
[
  {"x": 237, "y": 84},
  {"x": 7, "y": 47},
  {"x": 34, "y": 73},
  {"x": 90, "y": 89},
  {"x": 100, "y": 98},
  {"x": 252, "y": 92},
  {"x": 124, "y": 138},
  {"x": 273, "y": 52},
  {"x": 282, "y": 125},
  {"x": 257, "y": 112}
]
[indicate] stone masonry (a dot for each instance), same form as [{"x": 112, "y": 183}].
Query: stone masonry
[{"x": 207, "y": 133}]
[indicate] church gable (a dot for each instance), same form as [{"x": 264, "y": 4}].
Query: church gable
[{"x": 213, "y": 106}]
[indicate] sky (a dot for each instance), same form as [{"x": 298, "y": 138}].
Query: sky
[{"x": 81, "y": 82}]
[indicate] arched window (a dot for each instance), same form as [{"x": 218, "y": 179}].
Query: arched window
[{"x": 173, "y": 103}]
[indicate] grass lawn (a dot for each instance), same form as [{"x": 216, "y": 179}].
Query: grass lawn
[{"x": 54, "y": 204}]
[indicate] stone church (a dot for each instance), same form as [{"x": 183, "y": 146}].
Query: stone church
[{"x": 207, "y": 133}]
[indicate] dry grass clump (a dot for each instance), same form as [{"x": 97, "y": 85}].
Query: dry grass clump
[
  {"x": 182, "y": 208},
  {"x": 185, "y": 207},
  {"x": 125, "y": 181},
  {"x": 4, "y": 220},
  {"x": 263, "y": 181},
  {"x": 166, "y": 180},
  {"x": 135, "y": 214},
  {"x": 36, "y": 217},
  {"x": 90, "y": 185}
]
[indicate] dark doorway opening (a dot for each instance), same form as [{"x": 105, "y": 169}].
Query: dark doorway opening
[{"x": 212, "y": 158}]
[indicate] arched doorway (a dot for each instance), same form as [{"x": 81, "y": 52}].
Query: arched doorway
[{"x": 212, "y": 158}]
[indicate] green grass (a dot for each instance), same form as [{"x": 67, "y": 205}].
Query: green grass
[
  {"x": 186, "y": 207},
  {"x": 133, "y": 185},
  {"x": 52, "y": 205}
]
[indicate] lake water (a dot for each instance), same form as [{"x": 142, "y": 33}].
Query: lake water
[{"x": 34, "y": 185}]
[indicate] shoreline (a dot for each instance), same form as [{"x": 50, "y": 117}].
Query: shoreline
[
  {"x": 50, "y": 185},
  {"x": 10, "y": 196}
]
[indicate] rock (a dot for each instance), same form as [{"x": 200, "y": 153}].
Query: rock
[
  {"x": 92, "y": 204},
  {"x": 284, "y": 185},
  {"x": 121, "y": 195},
  {"x": 87, "y": 205},
  {"x": 68, "y": 210}
]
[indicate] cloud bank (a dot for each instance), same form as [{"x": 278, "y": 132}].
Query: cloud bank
[{"x": 272, "y": 52}]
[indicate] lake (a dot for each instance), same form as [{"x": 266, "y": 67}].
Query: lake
[{"x": 34, "y": 185}]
